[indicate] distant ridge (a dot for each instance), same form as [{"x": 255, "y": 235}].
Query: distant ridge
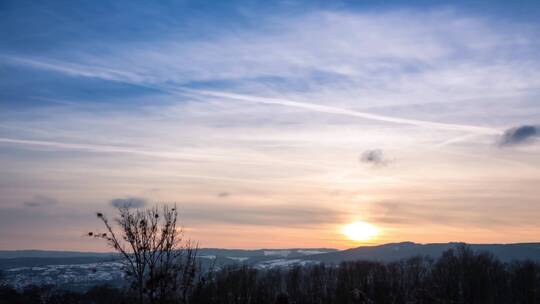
[
  {"x": 396, "y": 251},
  {"x": 30, "y": 253},
  {"x": 384, "y": 253}
]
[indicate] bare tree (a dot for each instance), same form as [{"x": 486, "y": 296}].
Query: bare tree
[{"x": 158, "y": 261}]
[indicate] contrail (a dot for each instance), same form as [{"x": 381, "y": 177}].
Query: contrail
[
  {"x": 341, "y": 111},
  {"x": 75, "y": 69},
  {"x": 247, "y": 159},
  {"x": 93, "y": 148},
  {"x": 138, "y": 80}
]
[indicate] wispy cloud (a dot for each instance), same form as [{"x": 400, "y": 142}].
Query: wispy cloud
[
  {"x": 277, "y": 215},
  {"x": 75, "y": 69},
  {"x": 40, "y": 201},
  {"x": 458, "y": 214}
]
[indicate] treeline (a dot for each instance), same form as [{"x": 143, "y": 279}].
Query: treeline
[
  {"x": 49, "y": 294},
  {"x": 458, "y": 276}
]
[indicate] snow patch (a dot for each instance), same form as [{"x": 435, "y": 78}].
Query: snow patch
[
  {"x": 282, "y": 253},
  {"x": 310, "y": 252},
  {"x": 237, "y": 259}
]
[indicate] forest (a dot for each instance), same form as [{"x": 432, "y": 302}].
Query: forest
[{"x": 458, "y": 276}]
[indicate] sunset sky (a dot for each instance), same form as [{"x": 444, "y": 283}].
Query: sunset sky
[{"x": 271, "y": 125}]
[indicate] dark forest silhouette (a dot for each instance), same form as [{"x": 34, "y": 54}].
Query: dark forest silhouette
[{"x": 458, "y": 276}]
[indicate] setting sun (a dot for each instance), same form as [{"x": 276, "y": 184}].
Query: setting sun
[{"x": 360, "y": 231}]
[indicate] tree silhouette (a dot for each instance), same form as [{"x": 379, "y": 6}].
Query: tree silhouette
[{"x": 159, "y": 263}]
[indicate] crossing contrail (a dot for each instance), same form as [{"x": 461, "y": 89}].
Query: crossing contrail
[
  {"x": 93, "y": 148},
  {"x": 342, "y": 111}
]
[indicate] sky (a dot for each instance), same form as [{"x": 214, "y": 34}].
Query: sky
[{"x": 271, "y": 124}]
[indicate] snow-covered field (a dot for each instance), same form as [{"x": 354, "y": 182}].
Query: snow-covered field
[{"x": 77, "y": 274}]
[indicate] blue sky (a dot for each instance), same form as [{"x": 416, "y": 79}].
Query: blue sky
[{"x": 260, "y": 118}]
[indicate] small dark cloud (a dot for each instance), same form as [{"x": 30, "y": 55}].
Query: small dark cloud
[
  {"x": 133, "y": 202},
  {"x": 223, "y": 194},
  {"x": 519, "y": 135},
  {"x": 375, "y": 157},
  {"x": 40, "y": 200}
]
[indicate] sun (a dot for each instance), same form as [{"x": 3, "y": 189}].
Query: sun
[{"x": 360, "y": 231}]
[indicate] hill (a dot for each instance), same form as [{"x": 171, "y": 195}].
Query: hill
[{"x": 396, "y": 251}]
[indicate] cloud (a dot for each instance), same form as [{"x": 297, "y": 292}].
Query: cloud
[
  {"x": 40, "y": 200},
  {"x": 279, "y": 215},
  {"x": 460, "y": 211},
  {"x": 519, "y": 135},
  {"x": 223, "y": 194},
  {"x": 359, "y": 60},
  {"x": 375, "y": 157},
  {"x": 134, "y": 202}
]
